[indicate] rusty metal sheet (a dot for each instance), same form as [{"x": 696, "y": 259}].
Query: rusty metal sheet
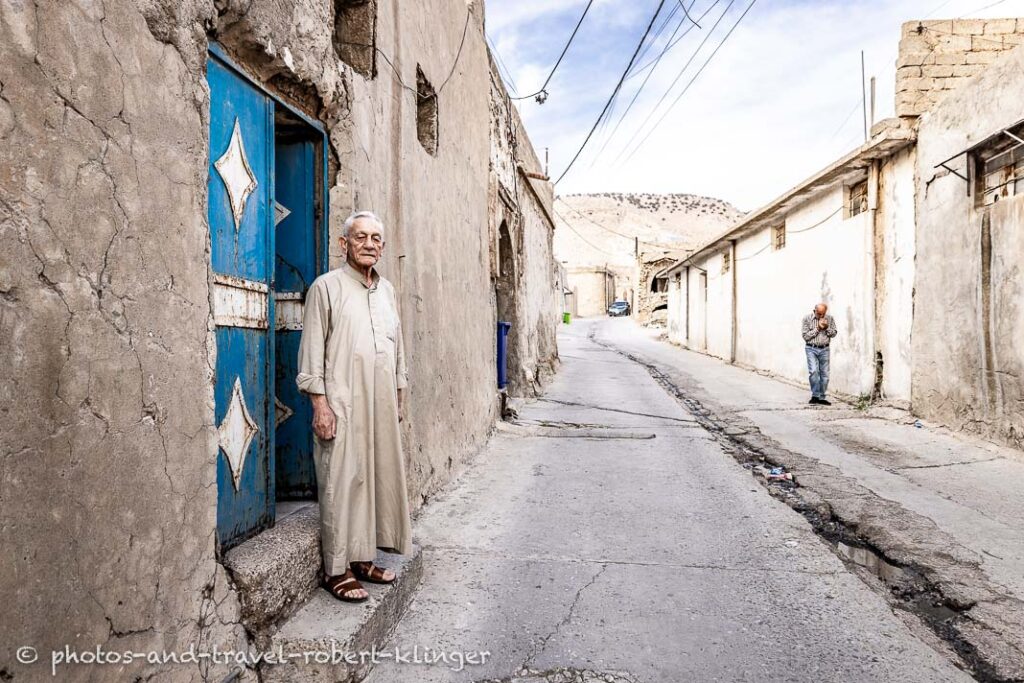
[
  {"x": 238, "y": 302},
  {"x": 288, "y": 308}
]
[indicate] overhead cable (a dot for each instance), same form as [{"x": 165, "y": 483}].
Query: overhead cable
[
  {"x": 672, "y": 43},
  {"x": 676, "y": 79},
  {"x": 542, "y": 94},
  {"x": 632, "y": 59},
  {"x": 695, "y": 76},
  {"x": 646, "y": 79}
]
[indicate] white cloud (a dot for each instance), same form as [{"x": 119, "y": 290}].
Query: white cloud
[{"x": 767, "y": 112}]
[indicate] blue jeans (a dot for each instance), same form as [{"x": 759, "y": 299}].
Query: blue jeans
[{"x": 817, "y": 369}]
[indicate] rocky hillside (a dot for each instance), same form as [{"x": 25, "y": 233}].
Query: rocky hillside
[{"x": 594, "y": 229}]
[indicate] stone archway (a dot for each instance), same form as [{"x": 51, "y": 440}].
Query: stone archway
[
  {"x": 505, "y": 282},
  {"x": 507, "y": 305}
]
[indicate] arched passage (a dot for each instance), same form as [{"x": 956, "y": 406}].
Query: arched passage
[
  {"x": 504, "y": 284},
  {"x": 506, "y": 295}
]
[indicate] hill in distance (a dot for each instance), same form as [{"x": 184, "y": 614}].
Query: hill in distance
[{"x": 597, "y": 229}]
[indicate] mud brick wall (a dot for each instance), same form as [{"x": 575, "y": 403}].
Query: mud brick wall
[{"x": 936, "y": 57}]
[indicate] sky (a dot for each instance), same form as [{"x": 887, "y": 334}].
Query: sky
[{"x": 780, "y": 100}]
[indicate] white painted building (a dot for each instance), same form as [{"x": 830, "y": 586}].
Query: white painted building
[{"x": 844, "y": 236}]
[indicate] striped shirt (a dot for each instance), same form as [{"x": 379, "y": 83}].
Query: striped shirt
[{"x": 816, "y": 336}]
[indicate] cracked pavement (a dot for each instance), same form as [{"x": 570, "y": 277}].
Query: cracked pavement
[{"x": 654, "y": 559}]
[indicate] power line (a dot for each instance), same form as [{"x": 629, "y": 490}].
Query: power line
[
  {"x": 569, "y": 225},
  {"x": 657, "y": 33},
  {"x": 676, "y": 79},
  {"x": 985, "y": 39},
  {"x": 620, "y": 234},
  {"x": 559, "y": 61},
  {"x": 937, "y": 8},
  {"x": 687, "y": 12},
  {"x": 847, "y": 119},
  {"x": 462, "y": 43},
  {"x": 982, "y": 9},
  {"x": 646, "y": 47},
  {"x": 637, "y": 71},
  {"x": 824, "y": 220},
  {"x": 398, "y": 75},
  {"x": 632, "y": 59},
  {"x": 695, "y": 76},
  {"x": 501, "y": 64},
  {"x": 646, "y": 79}
]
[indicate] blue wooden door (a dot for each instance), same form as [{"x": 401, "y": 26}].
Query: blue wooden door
[
  {"x": 296, "y": 266},
  {"x": 241, "y": 215}
]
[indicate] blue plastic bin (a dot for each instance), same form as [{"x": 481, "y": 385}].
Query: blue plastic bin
[{"x": 503, "y": 328}]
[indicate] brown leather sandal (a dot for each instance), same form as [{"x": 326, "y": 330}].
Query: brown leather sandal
[
  {"x": 368, "y": 571},
  {"x": 340, "y": 586}
]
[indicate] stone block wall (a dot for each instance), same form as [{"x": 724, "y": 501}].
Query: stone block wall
[{"x": 938, "y": 56}]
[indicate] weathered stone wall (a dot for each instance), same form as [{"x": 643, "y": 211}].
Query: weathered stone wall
[
  {"x": 593, "y": 288},
  {"x": 938, "y": 56},
  {"x": 527, "y": 290},
  {"x": 966, "y": 351},
  {"x": 108, "y": 470},
  {"x": 895, "y": 227},
  {"x": 106, "y": 411},
  {"x": 647, "y": 266},
  {"x": 435, "y": 207}
]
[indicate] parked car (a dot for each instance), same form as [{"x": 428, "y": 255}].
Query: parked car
[{"x": 619, "y": 308}]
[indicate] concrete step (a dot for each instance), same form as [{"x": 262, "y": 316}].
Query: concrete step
[
  {"x": 324, "y": 640},
  {"x": 276, "y": 571}
]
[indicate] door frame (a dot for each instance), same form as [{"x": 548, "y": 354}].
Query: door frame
[
  {"x": 216, "y": 50},
  {"x": 321, "y": 238}
]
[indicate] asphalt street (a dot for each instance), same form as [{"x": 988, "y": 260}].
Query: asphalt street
[{"x": 606, "y": 536}]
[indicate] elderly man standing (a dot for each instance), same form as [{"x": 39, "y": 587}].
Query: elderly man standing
[
  {"x": 352, "y": 366},
  {"x": 818, "y": 330}
]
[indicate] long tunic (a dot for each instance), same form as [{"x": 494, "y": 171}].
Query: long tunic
[{"x": 352, "y": 351}]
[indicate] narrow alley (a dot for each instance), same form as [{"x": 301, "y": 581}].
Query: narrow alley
[
  {"x": 627, "y": 545},
  {"x": 456, "y": 340}
]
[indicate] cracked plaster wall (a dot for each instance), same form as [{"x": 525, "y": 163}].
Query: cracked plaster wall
[
  {"x": 107, "y": 472},
  {"x": 525, "y": 204},
  {"x": 958, "y": 378},
  {"x": 107, "y": 477}
]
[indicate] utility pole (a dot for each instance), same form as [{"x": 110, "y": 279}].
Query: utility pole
[
  {"x": 872, "y": 102},
  {"x": 863, "y": 95}
]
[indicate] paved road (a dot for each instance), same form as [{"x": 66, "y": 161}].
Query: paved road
[{"x": 608, "y": 532}]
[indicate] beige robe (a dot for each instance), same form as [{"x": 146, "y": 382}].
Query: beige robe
[{"x": 352, "y": 351}]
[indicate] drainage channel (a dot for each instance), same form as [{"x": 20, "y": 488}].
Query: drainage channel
[{"x": 905, "y": 587}]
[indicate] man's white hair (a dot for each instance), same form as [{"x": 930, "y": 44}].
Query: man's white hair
[{"x": 350, "y": 221}]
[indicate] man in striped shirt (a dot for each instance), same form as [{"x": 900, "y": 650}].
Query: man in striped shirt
[{"x": 818, "y": 330}]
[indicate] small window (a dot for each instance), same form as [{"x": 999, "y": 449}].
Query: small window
[
  {"x": 726, "y": 262},
  {"x": 779, "y": 237},
  {"x": 857, "y": 199},
  {"x": 426, "y": 112},
  {"x": 999, "y": 168},
  {"x": 355, "y": 34}
]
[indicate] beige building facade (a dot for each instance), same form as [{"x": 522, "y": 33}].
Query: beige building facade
[
  {"x": 594, "y": 288},
  {"x": 742, "y": 297},
  {"x": 910, "y": 239}
]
